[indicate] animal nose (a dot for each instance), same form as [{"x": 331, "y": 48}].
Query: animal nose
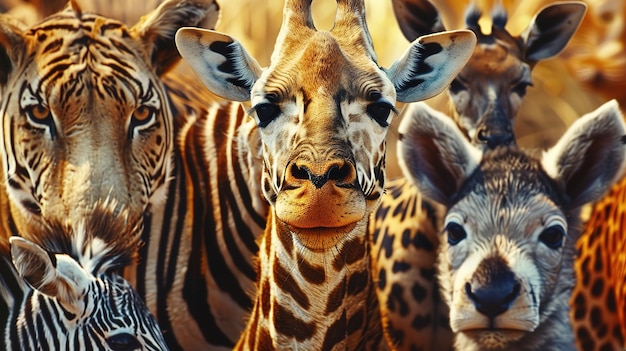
[
  {"x": 339, "y": 171},
  {"x": 494, "y": 138},
  {"x": 495, "y": 298}
]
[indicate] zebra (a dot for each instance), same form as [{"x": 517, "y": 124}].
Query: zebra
[{"x": 69, "y": 294}]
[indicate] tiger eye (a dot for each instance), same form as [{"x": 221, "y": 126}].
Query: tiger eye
[
  {"x": 39, "y": 112},
  {"x": 142, "y": 113}
]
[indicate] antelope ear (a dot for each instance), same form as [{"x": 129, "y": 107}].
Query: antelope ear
[
  {"x": 55, "y": 275},
  {"x": 417, "y": 18},
  {"x": 158, "y": 28},
  {"x": 434, "y": 153},
  {"x": 430, "y": 64},
  {"x": 12, "y": 47},
  {"x": 590, "y": 156},
  {"x": 551, "y": 29},
  {"x": 221, "y": 63}
]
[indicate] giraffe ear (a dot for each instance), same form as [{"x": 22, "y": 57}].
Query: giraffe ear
[
  {"x": 417, "y": 18},
  {"x": 158, "y": 28},
  {"x": 434, "y": 153},
  {"x": 430, "y": 64},
  {"x": 590, "y": 156},
  {"x": 221, "y": 63},
  {"x": 54, "y": 275},
  {"x": 551, "y": 29}
]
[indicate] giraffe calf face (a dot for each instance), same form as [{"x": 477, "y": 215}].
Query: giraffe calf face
[
  {"x": 503, "y": 245},
  {"x": 506, "y": 254}
]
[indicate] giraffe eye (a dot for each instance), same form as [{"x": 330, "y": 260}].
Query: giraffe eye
[
  {"x": 266, "y": 113},
  {"x": 456, "y": 233},
  {"x": 553, "y": 236},
  {"x": 380, "y": 111}
]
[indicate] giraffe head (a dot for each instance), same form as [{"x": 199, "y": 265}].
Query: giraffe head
[
  {"x": 507, "y": 248},
  {"x": 323, "y": 107},
  {"x": 487, "y": 93}
]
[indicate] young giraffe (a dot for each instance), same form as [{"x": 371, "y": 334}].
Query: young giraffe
[
  {"x": 484, "y": 99},
  {"x": 505, "y": 263},
  {"x": 322, "y": 108}
]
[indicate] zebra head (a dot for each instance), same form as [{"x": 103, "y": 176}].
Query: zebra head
[
  {"x": 71, "y": 294},
  {"x": 84, "y": 113},
  {"x": 323, "y": 107}
]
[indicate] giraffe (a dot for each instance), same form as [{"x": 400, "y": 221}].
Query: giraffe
[
  {"x": 505, "y": 263},
  {"x": 484, "y": 100},
  {"x": 322, "y": 107}
]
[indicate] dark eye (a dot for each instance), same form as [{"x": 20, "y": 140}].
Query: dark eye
[
  {"x": 41, "y": 114},
  {"x": 266, "y": 113},
  {"x": 123, "y": 342},
  {"x": 553, "y": 236},
  {"x": 456, "y": 233},
  {"x": 520, "y": 88},
  {"x": 380, "y": 111},
  {"x": 456, "y": 86}
]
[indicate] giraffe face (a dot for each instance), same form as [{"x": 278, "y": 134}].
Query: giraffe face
[
  {"x": 323, "y": 108},
  {"x": 506, "y": 254},
  {"x": 323, "y": 133},
  {"x": 503, "y": 248},
  {"x": 488, "y": 92}
]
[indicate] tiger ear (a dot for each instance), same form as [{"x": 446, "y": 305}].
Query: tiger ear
[
  {"x": 157, "y": 29},
  {"x": 12, "y": 46}
]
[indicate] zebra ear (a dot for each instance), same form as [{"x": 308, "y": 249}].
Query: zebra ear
[
  {"x": 590, "y": 156},
  {"x": 434, "y": 153},
  {"x": 551, "y": 29},
  {"x": 430, "y": 64},
  {"x": 12, "y": 46},
  {"x": 158, "y": 28},
  {"x": 222, "y": 64},
  {"x": 55, "y": 275},
  {"x": 417, "y": 18}
]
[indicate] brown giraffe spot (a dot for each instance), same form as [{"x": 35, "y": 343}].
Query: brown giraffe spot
[
  {"x": 335, "y": 333},
  {"x": 351, "y": 252},
  {"x": 312, "y": 274},
  {"x": 357, "y": 282},
  {"x": 335, "y": 298},
  {"x": 265, "y": 341},
  {"x": 265, "y": 299},
  {"x": 287, "y": 324},
  {"x": 356, "y": 322},
  {"x": 283, "y": 279}
]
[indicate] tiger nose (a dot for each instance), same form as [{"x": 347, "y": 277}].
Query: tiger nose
[{"x": 338, "y": 171}]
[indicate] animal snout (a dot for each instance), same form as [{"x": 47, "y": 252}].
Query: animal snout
[
  {"x": 338, "y": 171},
  {"x": 493, "y": 289},
  {"x": 494, "y": 138}
]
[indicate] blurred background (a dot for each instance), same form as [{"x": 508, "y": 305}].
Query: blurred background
[{"x": 589, "y": 72}]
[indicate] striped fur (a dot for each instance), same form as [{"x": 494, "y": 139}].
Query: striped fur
[
  {"x": 323, "y": 107},
  {"x": 72, "y": 297},
  {"x": 507, "y": 249}
]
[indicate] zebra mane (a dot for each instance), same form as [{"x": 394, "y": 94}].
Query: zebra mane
[{"x": 98, "y": 244}]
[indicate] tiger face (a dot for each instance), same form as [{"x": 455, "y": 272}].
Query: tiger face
[{"x": 85, "y": 116}]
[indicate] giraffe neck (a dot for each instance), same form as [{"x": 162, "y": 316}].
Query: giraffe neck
[{"x": 307, "y": 299}]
